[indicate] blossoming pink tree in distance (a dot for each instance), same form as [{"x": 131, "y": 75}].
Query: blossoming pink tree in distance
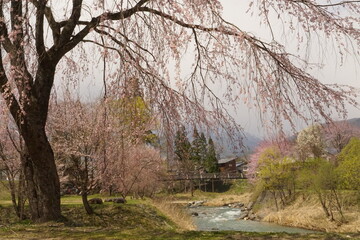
[
  {"x": 135, "y": 169},
  {"x": 11, "y": 160},
  {"x": 75, "y": 131},
  {"x": 130, "y": 162},
  {"x": 113, "y": 154},
  {"x": 337, "y": 135},
  {"x": 42, "y": 38},
  {"x": 283, "y": 146}
]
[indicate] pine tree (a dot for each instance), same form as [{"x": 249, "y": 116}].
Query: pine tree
[
  {"x": 211, "y": 164},
  {"x": 196, "y": 148},
  {"x": 203, "y": 149},
  {"x": 182, "y": 145}
]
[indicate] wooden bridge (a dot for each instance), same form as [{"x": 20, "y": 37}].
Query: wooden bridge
[
  {"x": 202, "y": 179},
  {"x": 205, "y": 176}
]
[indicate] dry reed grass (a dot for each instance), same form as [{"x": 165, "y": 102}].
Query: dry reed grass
[
  {"x": 228, "y": 198},
  {"x": 307, "y": 213},
  {"x": 175, "y": 212}
]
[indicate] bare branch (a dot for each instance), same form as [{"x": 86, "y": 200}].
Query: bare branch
[
  {"x": 65, "y": 44},
  {"x": 54, "y": 25},
  {"x": 7, "y": 94},
  {"x": 13, "y": 141},
  {"x": 70, "y": 25},
  {"x": 40, "y": 45},
  {"x": 6, "y": 43},
  {"x": 335, "y": 4},
  {"x": 16, "y": 26}
]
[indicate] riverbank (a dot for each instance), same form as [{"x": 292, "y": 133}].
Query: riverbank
[
  {"x": 308, "y": 213},
  {"x": 304, "y": 212},
  {"x": 133, "y": 220},
  {"x": 141, "y": 219}
]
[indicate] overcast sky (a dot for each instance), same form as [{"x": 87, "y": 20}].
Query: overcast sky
[{"x": 333, "y": 71}]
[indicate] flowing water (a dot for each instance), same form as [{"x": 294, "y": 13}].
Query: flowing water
[{"x": 226, "y": 218}]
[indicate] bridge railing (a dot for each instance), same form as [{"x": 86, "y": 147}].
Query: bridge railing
[{"x": 205, "y": 176}]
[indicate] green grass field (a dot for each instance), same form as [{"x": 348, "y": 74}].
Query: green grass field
[
  {"x": 137, "y": 219},
  {"x": 5, "y": 198}
]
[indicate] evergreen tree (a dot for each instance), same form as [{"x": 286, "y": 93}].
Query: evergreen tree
[
  {"x": 211, "y": 164},
  {"x": 203, "y": 149},
  {"x": 198, "y": 149},
  {"x": 182, "y": 145},
  {"x": 195, "y": 148}
]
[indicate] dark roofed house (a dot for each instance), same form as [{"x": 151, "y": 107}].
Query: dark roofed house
[
  {"x": 227, "y": 164},
  {"x": 242, "y": 167}
]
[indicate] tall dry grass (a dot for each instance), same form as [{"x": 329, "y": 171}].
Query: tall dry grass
[
  {"x": 223, "y": 199},
  {"x": 307, "y": 213},
  {"x": 175, "y": 212}
]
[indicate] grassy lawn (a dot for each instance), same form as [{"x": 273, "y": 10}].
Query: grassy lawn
[
  {"x": 137, "y": 219},
  {"x": 60, "y": 231},
  {"x": 134, "y": 220},
  {"x": 5, "y": 198}
]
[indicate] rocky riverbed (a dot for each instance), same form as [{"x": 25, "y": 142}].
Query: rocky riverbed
[
  {"x": 246, "y": 212},
  {"x": 233, "y": 218}
]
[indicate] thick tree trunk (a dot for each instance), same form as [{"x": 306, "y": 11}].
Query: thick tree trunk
[
  {"x": 40, "y": 173},
  {"x": 41, "y": 177},
  {"x": 42, "y": 180},
  {"x": 29, "y": 106},
  {"x": 39, "y": 164},
  {"x": 30, "y": 187}
]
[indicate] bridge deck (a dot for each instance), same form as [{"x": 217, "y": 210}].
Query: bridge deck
[{"x": 205, "y": 176}]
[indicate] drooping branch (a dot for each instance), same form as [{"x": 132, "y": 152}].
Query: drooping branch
[
  {"x": 275, "y": 79},
  {"x": 128, "y": 50},
  {"x": 21, "y": 75},
  {"x": 334, "y": 4},
  {"x": 16, "y": 146},
  {"x": 66, "y": 44},
  {"x": 7, "y": 93},
  {"x": 337, "y": 21},
  {"x": 4, "y": 36},
  {"x": 127, "y": 39},
  {"x": 16, "y": 23}
]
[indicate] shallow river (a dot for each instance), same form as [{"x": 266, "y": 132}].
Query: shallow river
[{"x": 225, "y": 218}]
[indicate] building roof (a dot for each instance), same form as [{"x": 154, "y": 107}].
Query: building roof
[
  {"x": 239, "y": 164},
  {"x": 225, "y": 160}
]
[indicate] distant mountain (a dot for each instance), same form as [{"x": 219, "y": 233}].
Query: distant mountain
[
  {"x": 355, "y": 122},
  {"x": 236, "y": 145},
  {"x": 228, "y": 148}
]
